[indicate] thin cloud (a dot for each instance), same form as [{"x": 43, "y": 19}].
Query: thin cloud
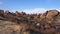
[
  {"x": 38, "y": 10},
  {"x": 34, "y": 11}
]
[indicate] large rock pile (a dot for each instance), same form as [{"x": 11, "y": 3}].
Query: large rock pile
[{"x": 22, "y": 23}]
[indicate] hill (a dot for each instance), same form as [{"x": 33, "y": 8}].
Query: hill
[{"x": 22, "y": 23}]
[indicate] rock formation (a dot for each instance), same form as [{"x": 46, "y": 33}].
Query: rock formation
[{"x": 22, "y": 23}]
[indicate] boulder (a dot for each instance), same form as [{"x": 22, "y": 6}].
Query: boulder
[
  {"x": 17, "y": 13},
  {"x": 51, "y": 13},
  {"x": 1, "y": 11}
]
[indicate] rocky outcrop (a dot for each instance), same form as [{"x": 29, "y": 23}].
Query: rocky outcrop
[
  {"x": 22, "y": 23},
  {"x": 51, "y": 14}
]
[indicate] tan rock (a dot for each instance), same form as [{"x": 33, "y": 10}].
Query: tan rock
[
  {"x": 17, "y": 13},
  {"x": 42, "y": 16},
  {"x": 1, "y": 11},
  {"x": 16, "y": 28},
  {"x": 51, "y": 13}
]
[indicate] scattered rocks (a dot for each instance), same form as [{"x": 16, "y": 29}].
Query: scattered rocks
[{"x": 22, "y": 23}]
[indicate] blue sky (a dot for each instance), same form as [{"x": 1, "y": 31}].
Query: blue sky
[{"x": 29, "y": 4}]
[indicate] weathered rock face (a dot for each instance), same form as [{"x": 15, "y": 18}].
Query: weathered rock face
[
  {"x": 22, "y": 23},
  {"x": 51, "y": 14},
  {"x": 43, "y": 16}
]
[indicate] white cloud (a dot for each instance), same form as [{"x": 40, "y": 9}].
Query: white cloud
[
  {"x": 36, "y": 10},
  {"x": 54, "y": 9}
]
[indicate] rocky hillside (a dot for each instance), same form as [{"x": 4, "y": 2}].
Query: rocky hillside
[{"x": 22, "y": 23}]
